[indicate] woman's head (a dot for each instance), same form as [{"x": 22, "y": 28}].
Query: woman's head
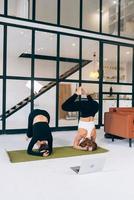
[
  {"x": 89, "y": 143},
  {"x": 43, "y": 146}
]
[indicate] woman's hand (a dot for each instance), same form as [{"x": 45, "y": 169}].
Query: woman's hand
[
  {"x": 46, "y": 153},
  {"x": 78, "y": 91}
]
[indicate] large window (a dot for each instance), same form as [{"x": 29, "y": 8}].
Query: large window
[
  {"x": 45, "y": 76},
  {"x": 113, "y": 17}
]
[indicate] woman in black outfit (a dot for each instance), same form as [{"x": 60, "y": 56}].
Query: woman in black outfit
[
  {"x": 87, "y": 109},
  {"x": 39, "y": 131}
]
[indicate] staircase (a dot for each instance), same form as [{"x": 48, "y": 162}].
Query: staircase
[{"x": 47, "y": 87}]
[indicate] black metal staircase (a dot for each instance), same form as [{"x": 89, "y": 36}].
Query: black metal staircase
[{"x": 25, "y": 101}]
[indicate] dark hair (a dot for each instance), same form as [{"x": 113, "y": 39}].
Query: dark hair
[
  {"x": 43, "y": 148},
  {"x": 89, "y": 143}
]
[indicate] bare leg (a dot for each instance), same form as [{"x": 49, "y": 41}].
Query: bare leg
[
  {"x": 80, "y": 134},
  {"x": 93, "y": 134}
]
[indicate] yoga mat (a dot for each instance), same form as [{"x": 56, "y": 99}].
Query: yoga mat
[{"x": 58, "y": 152}]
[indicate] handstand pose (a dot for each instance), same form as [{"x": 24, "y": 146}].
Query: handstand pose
[
  {"x": 39, "y": 131},
  {"x": 86, "y": 126}
]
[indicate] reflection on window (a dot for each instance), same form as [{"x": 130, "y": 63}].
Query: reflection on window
[
  {"x": 19, "y": 119},
  {"x": 21, "y": 8},
  {"x": 2, "y": 7},
  {"x": 110, "y": 63},
  {"x": 1, "y": 50},
  {"x": 125, "y": 100},
  {"x": 110, "y": 17},
  {"x": 47, "y": 100},
  {"x": 45, "y": 43},
  {"x": 17, "y": 92},
  {"x": 91, "y": 15},
  {"x": 93, "y": 90},
  {"x": 111, "y": 88},
  {"x": 67, "y": 118},
  {"x": 108, "y": 102},
  {"x": 69, "y": 46},
  {"x": 45, "y": 68},
  {"x": 69, "y": 70},
  {"x": 1, "y": 89},
  {"x": 70, "y": 12},
  {"x": 127, "y": 18},
  {"x": 126, "y": 63},
  {"x": 46, "y": 10},
  {"x": 19, "y": 44},
  {"x": 90, "y": 53}
]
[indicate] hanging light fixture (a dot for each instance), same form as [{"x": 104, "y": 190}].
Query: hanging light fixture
[{"x": 94, "y": 74}]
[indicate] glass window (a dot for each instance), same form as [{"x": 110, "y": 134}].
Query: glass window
[
  {"x": 16, "y": 92},
  {"x": 1, "y": 6},
  {"x": 47, "y": 99},
  {"x": 70, "y": 13},
  {"x": 125, "y": 100},
  {"x": 45, "y": 43},
  {"x": 18, "y": 120},
  {"x": 110, "y": 17},
  {"x": 90, "y": 58},
  {"x": 108, "y": 102},
  {"x": 21, "y": 8},
  {"x": 1, "y": 50},
  {"x": 69, "y": 46},
  {"x": 67, "y": 118},
  {"x": 127, "y": 18},
  {"x": 93, "y": 90},
  {"x": 111, "y": 88},
  {"x": 1, "y": 89},
  {"x": 91, "y": 15},
  {"x": 18, "y": 46},
  {"x": 126, "y": 64},
  {"x": 45, "y": 68},
  {"x": 110, "y": 63},
  {"x": 46, "y": 10},
  {"x": 69, "y": 70}
]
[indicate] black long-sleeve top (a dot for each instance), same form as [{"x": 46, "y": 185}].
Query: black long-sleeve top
[
  {"x": 39, "y": 131},
  {"x": 31, "y": 117},
  {"x": 86, "y": 108}
]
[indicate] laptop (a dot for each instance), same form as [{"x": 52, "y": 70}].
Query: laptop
[{"x": 89, "y": 166}]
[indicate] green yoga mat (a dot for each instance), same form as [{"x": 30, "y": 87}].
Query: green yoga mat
[{"x": 58, "y": 152}]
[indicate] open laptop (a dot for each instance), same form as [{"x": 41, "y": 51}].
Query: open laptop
[{"x": 89, "y": 166}]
